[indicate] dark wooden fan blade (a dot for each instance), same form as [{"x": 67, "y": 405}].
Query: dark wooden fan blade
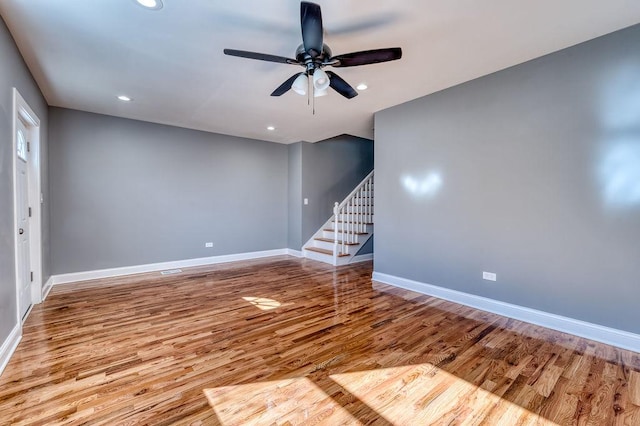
[
  {"x": 260, "y": 56},
  {"x": 367, "y": 57},
  {"x": 311, "y": 23},
  {"x": 284, "y": 87},
  {"x": 341, "y": 86}
]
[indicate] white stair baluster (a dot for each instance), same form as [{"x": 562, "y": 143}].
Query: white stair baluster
[
  {"x": 351, "y": 233},
  {"x": 336, "y": 212},
  {"x": 360, "y": 207},
  {"x": 342, "y": 222}
]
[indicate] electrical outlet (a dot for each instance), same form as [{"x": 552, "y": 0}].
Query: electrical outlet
[
  {"x": 489, "y": 276},
  {"x": 208, "y": 245}
]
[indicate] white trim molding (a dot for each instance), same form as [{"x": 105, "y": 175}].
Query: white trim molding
[
  {"x": 362, "y": 258},
  {"x": 9, "y": 346},
  {"x": 611, "y": 336},
  {"x": 153, "y": 267},
  {"x": 294, "y": 253},
  {"x": 47, "y": 288}
]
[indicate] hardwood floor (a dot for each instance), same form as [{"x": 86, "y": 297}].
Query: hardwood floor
[{"x": 290, "y": 341}]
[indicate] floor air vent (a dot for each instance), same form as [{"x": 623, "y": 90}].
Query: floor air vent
[{"x": 171, "y": 272}]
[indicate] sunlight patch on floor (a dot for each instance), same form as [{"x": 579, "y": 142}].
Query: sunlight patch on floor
[
  {"x": 424, "y": 394},
  {"x": 408, "y": 395},
  {"x": 291, "y": 401},
  {"x": 264, "y": 303}
]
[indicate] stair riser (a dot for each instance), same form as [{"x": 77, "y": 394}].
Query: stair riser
[
  {"x": 327, "y": 259},
  {"x": 347, "y": 232},
  {"x": 323, "y": 245},
  {"x": 344, "y": 260},
  {"x": 358, "y": 238},
  {"x": 320, "y": 257},
  {"x": 348, "y": 227},
  {"x": 349, "y": 248}
]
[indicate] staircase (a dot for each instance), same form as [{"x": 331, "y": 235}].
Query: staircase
[{"x": 351, "y": 225}]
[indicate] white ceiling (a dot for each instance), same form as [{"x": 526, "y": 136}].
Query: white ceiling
[{"x": 83, "y": 53}]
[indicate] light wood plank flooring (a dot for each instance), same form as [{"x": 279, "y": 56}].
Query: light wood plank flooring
[{"x": 290, "y": 341}]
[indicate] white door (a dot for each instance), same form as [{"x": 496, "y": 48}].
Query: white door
[{"x": 22, "y": 187}]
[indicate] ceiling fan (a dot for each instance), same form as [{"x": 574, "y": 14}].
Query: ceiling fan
[{"x": 313, "y": 55}]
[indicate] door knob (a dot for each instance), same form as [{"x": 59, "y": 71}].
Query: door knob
[{"x": 20, "y": 231}]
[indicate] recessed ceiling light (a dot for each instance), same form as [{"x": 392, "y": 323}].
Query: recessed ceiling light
[
  {"x": 150, "y": 4},
  {"x": 362, "y": 86},
  {"x": 124, "y": 98},
  {"x": 271, "y": 128}
]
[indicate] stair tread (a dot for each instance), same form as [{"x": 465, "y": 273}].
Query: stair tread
[
  {"x": 329, "y": 240},
  {"x": 340, "y": 232},
  {"x": 323, "y": 251}
]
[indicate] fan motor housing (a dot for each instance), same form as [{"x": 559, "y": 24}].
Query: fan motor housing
[{"x": 304, "y": 58}]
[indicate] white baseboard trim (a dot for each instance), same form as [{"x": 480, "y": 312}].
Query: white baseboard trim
[
  {"x": 611, "y": 336},
  {"x": 9, "y": 346},
  {"x": 152, "y": 267},
  {"x": 47, "y": 288},
  {"x": 294, "y": 253},
  {"x": 362, "y": 258}
]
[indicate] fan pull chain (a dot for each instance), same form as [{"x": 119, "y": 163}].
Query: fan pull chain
[{"x": 314, "y": 101}]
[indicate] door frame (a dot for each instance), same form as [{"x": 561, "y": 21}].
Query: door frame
[{"x": 22, "y": 111}]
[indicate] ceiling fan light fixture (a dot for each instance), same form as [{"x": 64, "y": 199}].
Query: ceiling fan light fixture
[
  {"x": 300, "y": 84},
  {"x": 318, "y": 93},
  {"x": 150, "y": 4},
  {"x": 320, "y": 79},
  {"x": 313, "y": 55}
]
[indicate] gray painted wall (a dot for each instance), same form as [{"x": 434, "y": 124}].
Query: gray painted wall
[
  {"x": 295, "y": 196},
  {"x": 331, "y": 169},
  {"x": 14, "y": 73},
  {"x": 127, "y": 192},
  {"x": 539, "y": 169}
]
